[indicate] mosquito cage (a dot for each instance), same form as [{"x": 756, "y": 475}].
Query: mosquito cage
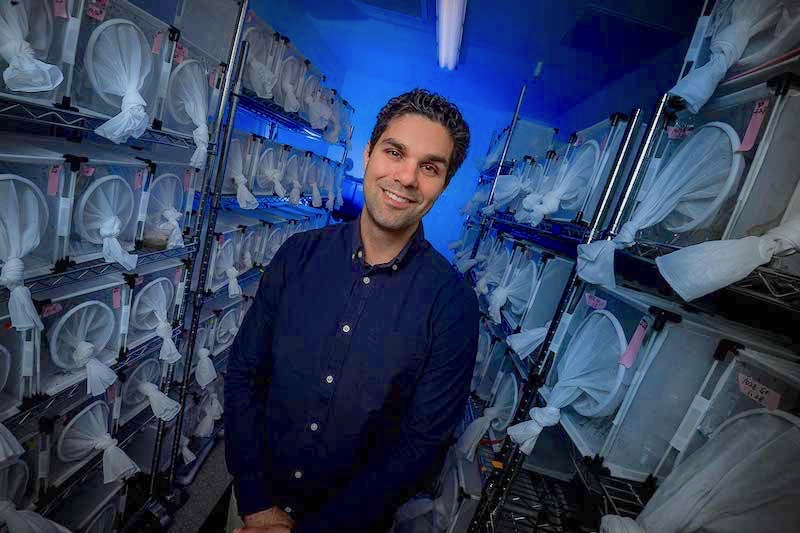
[
  {"x": 264, "y": 58},
  {"x": 191, "y": 97},
  {"x": 16, "y": 486},
  {"x": 108, "y": 208},
  {"x": 143, "y": 445},
  {"x": 739, "y": 37},
  {"x": 93, "y": 506},
  {"x": 82, "y": 434},
  {"x": 37, "y": 50},
  {"x": 243, "y": 153},
  {"x": 141, "y": 389},
  {"x": 484, "y": 379},
  {"x": 269, "y": 169},
  {"x": 169, "y": 204},
  {"x": 83, "y": 336},
  {"x": 514, "y": 289},
  {"x": 315, "y": 104},
  {"x": 210, "y": 25},
  {"x": 229, "y": 319},
  {"x": 223, "y": 267},
  {"x": 496, "y": 417},
  {"x": 155, "y": 303},
  {"x": 745, "y": 478},
  {"x": 18, "y": 354},
  {"x": 619, "y": 357},
  {"x": 722, "y": 171},
  {"x": 122, "y": 69},
  {"x": 292, "y": 71}
]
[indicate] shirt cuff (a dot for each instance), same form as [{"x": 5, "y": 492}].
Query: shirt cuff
[{"x": 252, "y": 495}]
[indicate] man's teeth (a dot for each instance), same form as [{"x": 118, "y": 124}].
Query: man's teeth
[{"x": 395, "y": 197}]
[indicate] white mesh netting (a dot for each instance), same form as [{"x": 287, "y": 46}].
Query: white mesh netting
[
  {"x": 142, "y": 385},
  {"x": 26, "y": 30},
  {"x": 23, "y": 221},
  {"x": 165, "y": 210},
  {"x": 87, "y": 432},
  {"x": 104, "y": 210},
  {"x": 235, "y": 173},
  {"x": 260, "y": 74},
  {"x": 205, "y": 373},
  {"x": 225, "y": 267},
  {"x": 187, "y": 102},
  {"x": 589, "y": 378},
  {"x": 150, "y": 312},
  {"x": 497, "y": 416},
  {"x": 686, "y": 194},
  {"x": 514, "y": 290},
  {"x": 78, "y": 338},
  {"x": 118, "y": 61}
]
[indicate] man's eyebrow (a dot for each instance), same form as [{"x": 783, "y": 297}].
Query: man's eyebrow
[{"x": 429, "y": 158}]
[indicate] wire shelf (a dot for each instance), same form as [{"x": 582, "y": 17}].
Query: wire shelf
[
  {"x": 273, "y": 112},
  {"x": 94, "y": 269},
  {"x": 44, "y": 115},
  {"x": 229, "y": 201},
  {"x": 560, "y": 237}
]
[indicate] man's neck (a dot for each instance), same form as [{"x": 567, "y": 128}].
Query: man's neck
[{"x": 380, "y": 245}]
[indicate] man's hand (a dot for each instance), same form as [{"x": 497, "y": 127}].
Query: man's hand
[{"x": 269, "y": 518}]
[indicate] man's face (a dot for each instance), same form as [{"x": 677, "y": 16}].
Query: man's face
[{"x": 406, "y": 171}]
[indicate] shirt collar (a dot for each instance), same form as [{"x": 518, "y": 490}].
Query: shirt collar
[{"x": 415, "y": 243}]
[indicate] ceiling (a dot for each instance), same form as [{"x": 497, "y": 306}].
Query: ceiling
[{"x": 583, "y": 44}]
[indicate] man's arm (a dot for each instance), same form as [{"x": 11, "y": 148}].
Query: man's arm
[
  {"x": 437, "y": 406},
  {"x": 246, "y": 383}
]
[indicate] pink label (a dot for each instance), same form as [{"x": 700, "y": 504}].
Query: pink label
[
  {"x": 629, "y": 355},
  {"x": 178, "y": 274},
  {"x": 51, "y": 309},
  {"x": 88, "y": 170},
  {"x": 187, "y": 179},
  {"x": 674, "y": 132},
  {"x": 756, "y": 119},
  {"x": 137, "y": 181},
  {"x": 759, "y": 393},
  {"x": 138, "y": 281},
  {"x": 7, "y": 326},
  {"x": 181, "y": 54},
  {"x": 52, "y": 180},
  {"x": 595, "y": 302},
  {"x": 158, "y": 42},
  {"x": 116, "y": 298},
  {"x": 60, "y": 9},
  {"x": 102, "y": 3},
  {"x": 96, "y": 11}
]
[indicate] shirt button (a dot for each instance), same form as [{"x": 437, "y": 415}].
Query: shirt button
[
  {"x": 360, "y": 254},
  {"x": 394, "y": 267},
  {"x": 329, "y": 380},
  {"x": 314, "y": 426},
  {"x": 298, "y": 474},
  {"x": 346, "y": 328},
  {"x": 287, "y": 509},
  {"x": 366, "y": 280}
]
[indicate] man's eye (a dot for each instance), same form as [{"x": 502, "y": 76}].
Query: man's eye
[
  {"x": 394, "y": 153},
  {"x": 431, "y": 169}
]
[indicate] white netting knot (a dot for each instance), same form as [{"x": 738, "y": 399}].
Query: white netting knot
[
  {"x": 105, "y": 442},
  {"x": 200, "y": 137},
  {"x": 110, "y": 228},
  {"x": 172, "y": 216},
  {"x": 83, "y": 352},
  {"x": 497, "y": 300},
  {"x": 12, "y": 272},
  {"x": 526, "y": 433},
  {"x": 132, "y": 100},
  {"x": 186, "y": 453}
]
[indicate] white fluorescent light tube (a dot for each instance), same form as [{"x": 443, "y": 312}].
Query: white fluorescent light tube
[{"x": 449, "y": 30}]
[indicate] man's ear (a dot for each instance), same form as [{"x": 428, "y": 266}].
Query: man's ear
[{"x": 366, "y": 155}]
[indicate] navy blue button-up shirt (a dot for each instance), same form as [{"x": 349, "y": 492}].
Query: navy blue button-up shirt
[{"x": 346, "y": 380}]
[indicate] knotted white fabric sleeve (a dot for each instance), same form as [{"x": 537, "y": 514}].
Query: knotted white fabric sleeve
[
  {"x": 276, "y": 175},
  {"x": 243, "y": 195},
  {"x": 187, "y": 454},
  {"x": 10, "y": 448},
  {"x": 703, "y": 268},
  {"x": 234, "y": 289},
  {"x": 169, "y": 351},
  {"x": 215, "y": 409},
  {"x": 131, "y": 121},
  {"x": 117, "y": 466},
  {"x": 200, "y": 155},
  {"x": 99, "y": 377},
  {"x": 20, "y": 304},
  {"x": 468, "y": 442},
  {"x": 477, "y": 200},
  {"x": 205, "y": 373},
  {"x": 526, "y": 433},
  {"x": 612, "y": 523},
  {"x": 316, "y": 195},
  {"x": 26, "y": 521},
  {"x": 112, "y": 249},
  {"x": 164, "y": 407},
  {"x": 525, "y": 342},
  {"x": 205, "y": 427},
  {"x": 172, "y": 216},
  {"x": 726, "y": 49},
  {"x": 24, "y": 73}
]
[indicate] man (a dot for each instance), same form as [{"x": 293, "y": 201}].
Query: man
[{"x": 353, "y": 365}]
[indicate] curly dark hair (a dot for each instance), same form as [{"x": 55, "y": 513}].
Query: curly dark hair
[{"x": 434, "y": 107}]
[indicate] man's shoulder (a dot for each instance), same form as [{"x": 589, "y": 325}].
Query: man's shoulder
[
  {"x": 303, "y": 241},
  {"x": 449, "y": 278}
]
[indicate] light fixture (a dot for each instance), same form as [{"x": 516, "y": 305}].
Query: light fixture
[{"x": 449, "y": 30}]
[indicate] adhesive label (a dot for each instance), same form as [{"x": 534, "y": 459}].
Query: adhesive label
[
  {"x": 595, "y": 302},
  {"x": 757, "y": 392},
  {"x": 754, "y": 126},
  {"x": 629, "y": 355},
  {"x": 52, "y": 180}
]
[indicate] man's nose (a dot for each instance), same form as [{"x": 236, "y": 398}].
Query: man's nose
[{"x": 406, "y": 175}]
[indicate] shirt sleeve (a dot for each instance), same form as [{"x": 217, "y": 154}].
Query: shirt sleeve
[
  {"x": 246, "y": 383},
  {"x": 437, "y": 406}
]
